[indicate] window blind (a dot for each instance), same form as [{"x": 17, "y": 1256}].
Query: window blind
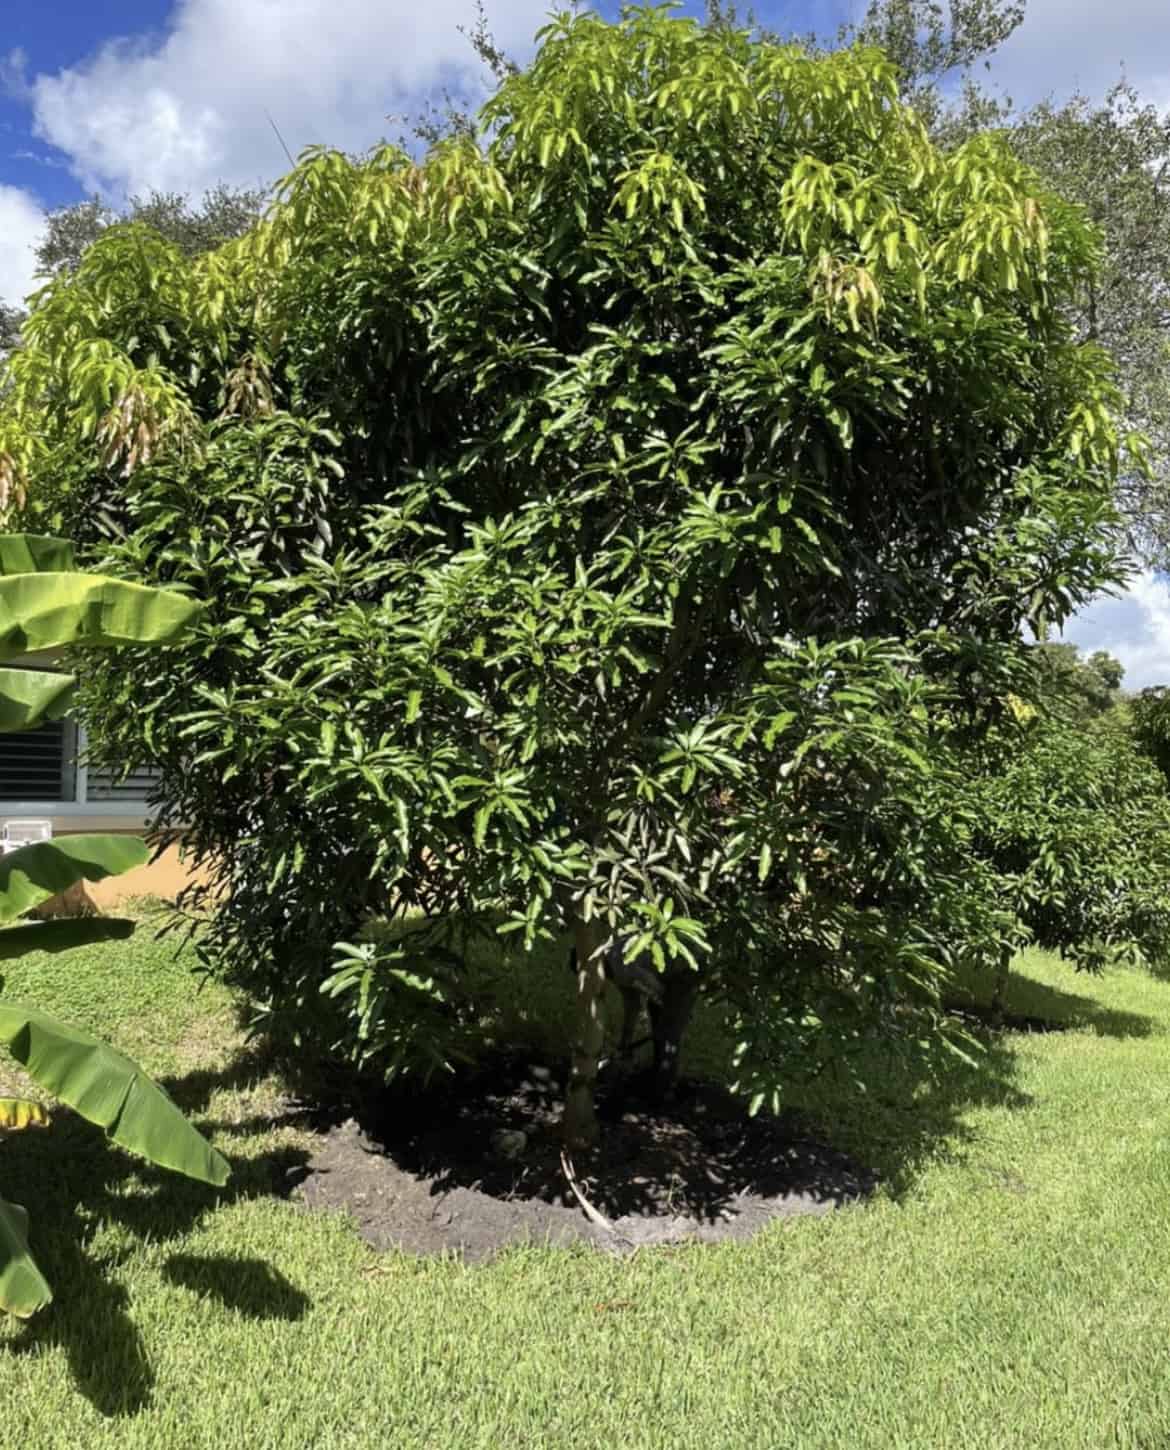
[{"x": 39, "y": 765}]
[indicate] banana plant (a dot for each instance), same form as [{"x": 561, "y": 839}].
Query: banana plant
[{"x": 46, "y": 605}]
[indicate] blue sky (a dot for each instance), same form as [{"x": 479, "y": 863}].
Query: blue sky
[
  {"x": 119, "y": 96},
  {"x": 52, "y": 36}
]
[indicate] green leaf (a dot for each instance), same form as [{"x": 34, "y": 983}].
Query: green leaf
[
  {"x": 35, "y": 554},
  {"x": 62, "y": 935},
  {"x": 34, "y": 873},
  {"x": 27, "y": 697},
  {"x": 110, "y": 1090},
  {"x": 23, "y": 1289},
  {"x": 46, "y": 611}
]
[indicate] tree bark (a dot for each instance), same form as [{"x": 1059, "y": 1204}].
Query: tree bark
[
  {"x": 74, "y": 901},
  {"x": 999, "y": 991},
  {"x": 669, "y": 1020},
  {"x": 581, "y": 1128}
]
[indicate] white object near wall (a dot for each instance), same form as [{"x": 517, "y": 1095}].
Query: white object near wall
[{"x": 24, "y": 832}]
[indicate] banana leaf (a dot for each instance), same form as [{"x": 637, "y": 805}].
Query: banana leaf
[
  {"x": 62, "y": 935},
  {"x": 108, "y": 1089},
  {"x": 33, "y": 873},
  {"x": 22, "y": 1286},
  {"x": 29, "y": 696},
  {"x": 35, "y": 554},
  {"x": 46, "y": 611}
]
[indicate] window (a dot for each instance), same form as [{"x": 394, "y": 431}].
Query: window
[{"x": 39, "y": 767}]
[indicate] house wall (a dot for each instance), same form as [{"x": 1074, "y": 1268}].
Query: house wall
[{"x": 165, "y": 877}]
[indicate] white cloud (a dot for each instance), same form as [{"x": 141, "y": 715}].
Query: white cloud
[
  {"x": 13, "y": 75},
  {"x": 1134, "y": 629},
  {"x": 21, "y": 223},
  {"x": 190, "y": 108},
  {"x": 1068, "y": 45}
]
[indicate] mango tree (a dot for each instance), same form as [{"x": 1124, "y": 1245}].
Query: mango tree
[
  {"x": 608, "y": 526},
  {"x": 1074, "y": 820},
  {"x": 46, "y": 605}
]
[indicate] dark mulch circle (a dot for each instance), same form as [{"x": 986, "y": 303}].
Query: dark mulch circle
[{"x": 473, "y": 1164}]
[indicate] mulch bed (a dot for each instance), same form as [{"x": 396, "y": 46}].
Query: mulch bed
[{"x": 472, "y": 1165}]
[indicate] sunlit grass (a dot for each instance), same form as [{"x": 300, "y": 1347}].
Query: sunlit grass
[{"x": 1007, "y": 1288}]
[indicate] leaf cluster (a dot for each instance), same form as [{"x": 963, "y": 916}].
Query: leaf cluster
[
  {"x": 47, "y": 605},
  {"x": 1075, "y": 820}
]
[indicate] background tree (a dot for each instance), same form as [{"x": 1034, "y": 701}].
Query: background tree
[
  {"x": 1150, "y": 713},
  {"x": 1074, "y": 821},
  {"x": 612, "y": 533},
  {"x": 933, "y": 47},
  {"x": 224, "y": 213},
  {"x": 1069, "y": 684},
  {"x": 1113, "y": 157},
  {"x": 10, "y": 322}
]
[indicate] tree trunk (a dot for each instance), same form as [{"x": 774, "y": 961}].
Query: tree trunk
[
  {"x": 74, "y": 901},
  {"x": 669, "y": 1019},
  {"x": 999, "y": 991},
  {"x": 580, "y": 1121}
]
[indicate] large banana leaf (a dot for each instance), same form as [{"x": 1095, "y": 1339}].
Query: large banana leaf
[
  {"x": 22, "y": 1287},
  {"x": 110, "y": 1090},
  {"x": 46, "y": 611},
  {"x": 61, "y": 935},
  {"x": 33, "y": 873},
  {"x": 35, "y": 554},
  {"x": 29, "y": 696}
]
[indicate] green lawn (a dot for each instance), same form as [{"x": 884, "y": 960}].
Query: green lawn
[{"x": 1009, "y": 1288}]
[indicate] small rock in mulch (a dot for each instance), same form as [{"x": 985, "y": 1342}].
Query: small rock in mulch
[{"x": 473, "y": 1165}]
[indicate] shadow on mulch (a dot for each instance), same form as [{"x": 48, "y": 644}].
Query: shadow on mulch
[{"x": 473, "y": 1164}]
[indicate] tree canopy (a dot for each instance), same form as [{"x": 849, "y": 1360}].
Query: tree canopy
[
  {"x": 613, "y": 530},
  {"x": 1110, "y": 154},
  {"x": 224, "y": 213},
  {"x": 1070, "y": 684}
]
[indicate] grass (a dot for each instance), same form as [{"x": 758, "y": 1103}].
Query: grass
[{"x": 1007, "y": 1288}]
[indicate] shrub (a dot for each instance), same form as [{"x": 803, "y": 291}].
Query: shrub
[{"x": 1075, "y": 822}]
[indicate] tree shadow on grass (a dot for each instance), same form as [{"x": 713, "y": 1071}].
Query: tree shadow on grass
[
  {"x": 905, "y": 1110},
  {"x": 899, "y": 1110},
  {"x": 89, "y": 1322},
  {"x": 72, "y": 1180},
  {"x": 894, "y": 1113},
  {"x": 1033, "y": 1006},
  {"x": 249, "y": 1064},
  {"x": 249, "y": 1286}
]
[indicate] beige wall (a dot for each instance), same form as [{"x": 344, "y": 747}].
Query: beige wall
[{"x": 165, "y": 877}]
